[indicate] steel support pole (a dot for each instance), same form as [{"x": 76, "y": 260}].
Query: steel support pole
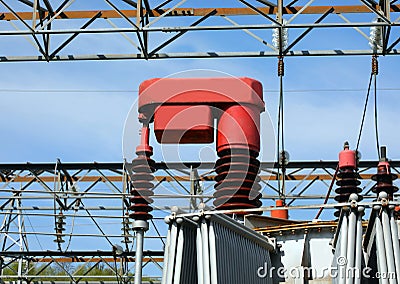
[{"x": 140, "y": 227}]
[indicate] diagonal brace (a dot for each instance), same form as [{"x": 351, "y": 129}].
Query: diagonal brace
[
  {"x": 71, "y": 38},
  {"x": 300, "y": 37},
  {"x": 213, "y": 12}
]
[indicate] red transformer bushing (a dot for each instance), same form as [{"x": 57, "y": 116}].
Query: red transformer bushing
[
  {"x": 384, "y": 178},
  {"x": 143, "y": 167},
  {"x": 184, "y": 110},
  {"x": 348, "y": 176}
]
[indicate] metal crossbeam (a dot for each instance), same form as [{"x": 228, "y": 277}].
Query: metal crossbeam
[{"x": 149, "y": 26}]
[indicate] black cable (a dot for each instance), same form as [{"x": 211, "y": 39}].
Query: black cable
[
  {"x": 364, "y": 112},
  {"x": 282, "y": 136},
  {"x": 278, "y": 142},
  {"x": 376, "y": 117}
]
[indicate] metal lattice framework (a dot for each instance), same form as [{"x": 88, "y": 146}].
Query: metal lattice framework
[
  {"x": 49, "y": 30},
  {"x": 91, "y": 199}
]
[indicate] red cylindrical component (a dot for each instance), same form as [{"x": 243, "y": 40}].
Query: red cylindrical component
[
  {"x": 239, "y": 128},
  {"x": 384, "y": 180},
  {"x": 141, "y": 180},
  {"x": 238, "y": 146},
  {"x": 281, "y": 213},
  {"x": 347, "y": 159},
  {"x": 348, "y": 177}
]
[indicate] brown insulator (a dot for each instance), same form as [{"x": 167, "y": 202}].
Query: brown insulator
[
  {"x": 384, "y": 178},
  {"x": 141, "y": 186},
  {"x": 348, "y": 183},
  {"x": 237, "y": 181},
  {"x": 281, "y": 67},
  {"x": 375, "y": 65}
]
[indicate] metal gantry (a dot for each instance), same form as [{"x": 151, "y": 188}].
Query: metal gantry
[
  {"x": 50, "y": 30},
  {"x": 72, "y": 217}
]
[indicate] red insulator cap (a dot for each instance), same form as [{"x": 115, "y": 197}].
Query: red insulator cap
[
  {"x": 384, "y": 168},
  {"x": 347, "y": 158}
]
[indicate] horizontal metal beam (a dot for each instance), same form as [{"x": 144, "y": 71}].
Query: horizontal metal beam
[
  {"x": 116, "y": 178},
  {"x": 199, "y": 12},
  {"x": 77, "y": 254},
  {"x": 194, "y": 55},
  {"x": 174, "y": 165}
]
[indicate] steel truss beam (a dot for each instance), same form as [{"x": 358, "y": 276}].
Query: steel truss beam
[
  {"x": 34, "y": 197},
  {"x": 146, "y": 28}
]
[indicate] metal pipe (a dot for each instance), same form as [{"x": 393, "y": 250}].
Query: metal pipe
[
  {"x": 395, "y": 241},
  {"x": 359, "y": 250},
  {"x": 343, "y": 247},
  {"x": 139, "y": 256},
  {"x": 166, "y": 254},
  {"x": 178, "y": 258},
  {"x": 351, "y": 239},
  {"x": 199, "y": 250},
  {"x": 206, "y": 258},
  {"x": 139, "y": 226},
  {"x": 380, "y": 249},
  {"x": 387, "y": 236}
]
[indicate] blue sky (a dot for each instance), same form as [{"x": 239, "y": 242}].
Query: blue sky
[{"x": 82, "y": 126}]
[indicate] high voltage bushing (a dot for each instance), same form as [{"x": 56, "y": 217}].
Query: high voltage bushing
[
  {"x": 141, "y": 181},
  {"x": 348, "y": 177},
  {"x": 384, "y": 178},
  {"x": 237, "y": 181},
  {"x": 184, "y": 111}
]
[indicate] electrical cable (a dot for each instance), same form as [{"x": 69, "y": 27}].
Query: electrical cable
[
  {"x": 328, "y": 193},
  {"x": 376, "y": 118},
  {"x": 281, "y": 139},
  {"x": 72, "y": 230},
  {"x": 364, "y": 112}
]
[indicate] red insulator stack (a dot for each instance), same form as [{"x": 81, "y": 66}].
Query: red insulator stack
[
  {"x": 238, "y": 146},
  {"x": 384, "y": 178},
  {"x": 141, "y": 181},
  {"x": 348, "y": 176},
  {"x": 237, "y": 180}
]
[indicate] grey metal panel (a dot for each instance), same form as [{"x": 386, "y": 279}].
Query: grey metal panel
[
  {"x": 189, "y": 256},
  {"x": 241, "y": 257}
]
